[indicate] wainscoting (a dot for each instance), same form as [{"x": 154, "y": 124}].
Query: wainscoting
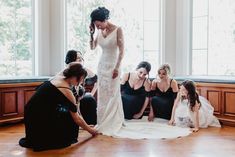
[{"x": 14, "y": 95}]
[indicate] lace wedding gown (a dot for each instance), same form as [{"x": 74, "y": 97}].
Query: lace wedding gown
[{"x": 110, "y": 115}]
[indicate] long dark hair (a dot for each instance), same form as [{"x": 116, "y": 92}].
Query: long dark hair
[{"x": 192, "y": 96}]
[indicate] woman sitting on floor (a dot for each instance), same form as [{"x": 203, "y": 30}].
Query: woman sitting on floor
[
  {"x": 51, "y": 118},
  {"x": 163, "y": 91},
  {"x": 192, "y": 110},
  {"x": 134, "y": 90},
  {"x": 88, "y": 102}
]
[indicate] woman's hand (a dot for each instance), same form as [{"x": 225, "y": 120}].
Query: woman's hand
[
  {"x": 194, "y": 129},
  {"x": 171, "y": 122},
  {"x": 93, "y": 131},
  {"x": 115, "y": 73},
  {"x": 151, "y": 117}
]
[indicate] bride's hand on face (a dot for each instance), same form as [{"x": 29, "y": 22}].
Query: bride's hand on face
[{"x": 115, "y": 73}]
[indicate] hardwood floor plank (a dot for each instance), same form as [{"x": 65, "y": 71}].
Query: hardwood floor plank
[{"x": 211, "y": 142}]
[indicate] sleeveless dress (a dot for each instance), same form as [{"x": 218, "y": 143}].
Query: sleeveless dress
[
  {"x": 184, "y": 117},
  {"x": 110, "y": 116},
  {"x": 162, "y": 102},
  {"x": 132, "y": 99},
  {"x": 88, "y": 103},
  {"x": 47, "y": 119}
]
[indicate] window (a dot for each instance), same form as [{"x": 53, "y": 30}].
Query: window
[
  {"x": 213, "y": 37},
  {"x": 16, "y": 57},
  {"x": 140, "y": 23}
]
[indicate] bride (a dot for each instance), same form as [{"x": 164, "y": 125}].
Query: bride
[{"x": 110, "y": 115}]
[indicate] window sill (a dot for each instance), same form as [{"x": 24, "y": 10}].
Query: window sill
[
  {"x": 207, "y": 79},
  {"x": 9, "y": 80}
]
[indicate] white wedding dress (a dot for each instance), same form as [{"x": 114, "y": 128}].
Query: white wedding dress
[{"x": 110, "y": 116}]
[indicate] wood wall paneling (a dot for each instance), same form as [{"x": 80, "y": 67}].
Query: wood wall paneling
[
  {"x": 13, "y": 97},
  {"x": 229, "y": 103},
  {"x": 214, "y": 97},
  {"x": 9, "y": 103},
  {"x": 28, "y": 94}
]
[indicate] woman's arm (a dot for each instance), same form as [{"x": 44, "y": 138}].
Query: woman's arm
[
  {"x": 151, "y": 114},
  {"x": 94, "y": 89},
  {"x": 124, "y": 78},
  {"x": 176, "y": 102},
  {"x": 154, "y": 85},
  {"x": 174, "y": 86},
  {"x": 79, "y": 121},
  {"x": 76, "y": 117},
  {"x": 196, "y": 116},
  {"x": 146, "y": 102},
  {"x": 120, "y": 43}
]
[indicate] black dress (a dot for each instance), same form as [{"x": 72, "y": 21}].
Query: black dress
[
  {"x": 88, "y": 103},
  {"x": 162, "y": 102},
  {"x": 132, "y": 99},
  {"x": 48, "y": 122}
]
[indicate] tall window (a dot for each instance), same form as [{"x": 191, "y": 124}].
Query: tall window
[
  {"x": 213, "y": 42},
  {"x": 16, "y": 38},
  {"x": 140, "y": 23}
]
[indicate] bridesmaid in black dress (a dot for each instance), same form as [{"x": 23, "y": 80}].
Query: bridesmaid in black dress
[
  {"x": 88, "y": 103},
  {"x": 50, "y": 117},
  {"x": 163, "y": 91},
  {"x": 134, "y": 90}
]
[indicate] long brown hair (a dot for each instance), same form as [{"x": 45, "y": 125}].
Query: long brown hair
[{"x": 192, "y": 96}]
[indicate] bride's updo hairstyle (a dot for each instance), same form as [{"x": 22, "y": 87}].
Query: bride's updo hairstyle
[{"x": 99, "y": 14}]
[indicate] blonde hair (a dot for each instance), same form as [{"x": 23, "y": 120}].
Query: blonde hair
[{"x": 166, "y": 67}]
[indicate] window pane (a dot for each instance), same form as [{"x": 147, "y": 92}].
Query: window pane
[
  {"x": 153, "y": 58},
  {"x": 221, "y": 37},
  {"x": 200, "y": 8},
  {"x": 151, "y": 10},
  {"x": 151, "y": 35},
  {"x": 200, "y": 33},
  {"x": 199, "y": 59},
  {"x": 15, "y": 38},
  {"x": 221, "y": 51}
]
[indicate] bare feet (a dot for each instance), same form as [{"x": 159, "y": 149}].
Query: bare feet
[
  {"x": 137, "y": 116},
  {"x": 151, "y": 117}
]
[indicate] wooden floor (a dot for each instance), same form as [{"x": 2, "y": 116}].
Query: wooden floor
[{"x": 211, "y": 142}]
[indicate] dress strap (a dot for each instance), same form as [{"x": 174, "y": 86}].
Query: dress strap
[
  {"x": 170, "y": 82},
  {"x": 128, "y": 76},
  {"x": 143, "y": 81}
]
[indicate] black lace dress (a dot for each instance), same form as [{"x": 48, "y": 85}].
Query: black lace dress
[
  {"x": 132, "y": 99},
  {"x": 47, "y": 118},
  {"x": 162, "y": 102}
]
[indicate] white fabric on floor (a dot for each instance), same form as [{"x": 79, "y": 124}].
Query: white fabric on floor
[{"x": 158, "y": 129}]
